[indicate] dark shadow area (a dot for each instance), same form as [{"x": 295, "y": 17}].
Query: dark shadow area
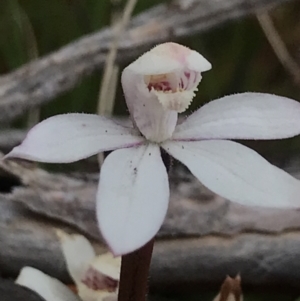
[
  {"x": 8, "y": 182},
  {"x": 9, "y": 291}
]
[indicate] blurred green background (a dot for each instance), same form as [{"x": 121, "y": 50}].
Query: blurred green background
[{"x": 242, "y": 60}]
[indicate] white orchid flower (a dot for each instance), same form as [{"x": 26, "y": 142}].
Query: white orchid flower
[
  {"x": 96, "y": 277},
  {"x": 133, "y": 193}
]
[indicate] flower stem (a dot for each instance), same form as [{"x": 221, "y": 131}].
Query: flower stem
[{"x": 134, "y": 274}]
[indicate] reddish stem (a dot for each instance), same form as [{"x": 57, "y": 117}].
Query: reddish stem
[{"x": 134, "y": 274}]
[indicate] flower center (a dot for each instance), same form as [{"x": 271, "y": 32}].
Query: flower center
[
  {"x": 175, "y": 91},
  {"x": 159, "y": 83}
]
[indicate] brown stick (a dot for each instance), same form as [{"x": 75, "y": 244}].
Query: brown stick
[
  {"x": 134, "y": 274},
  {"x": 40, "y": 81},
  {"x": 218, "y": 237}
]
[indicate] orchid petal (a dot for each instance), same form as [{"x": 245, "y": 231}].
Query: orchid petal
[
  {"x": 237, "y": 173},
  {"x": 78, "y": 253},
  {"x": 47, "y": 287},
  {"x": 133, "y": 197},
  {"x": 243, "y": 116},
  {"x": 71, "y": 137}
]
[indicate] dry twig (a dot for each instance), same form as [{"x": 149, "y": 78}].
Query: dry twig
[
  {"x": 216, "y": 236},
  {"x": 40, "y": 81}
]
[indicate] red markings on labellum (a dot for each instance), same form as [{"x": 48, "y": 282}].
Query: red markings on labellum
[{"x": 97, "y": 281}]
